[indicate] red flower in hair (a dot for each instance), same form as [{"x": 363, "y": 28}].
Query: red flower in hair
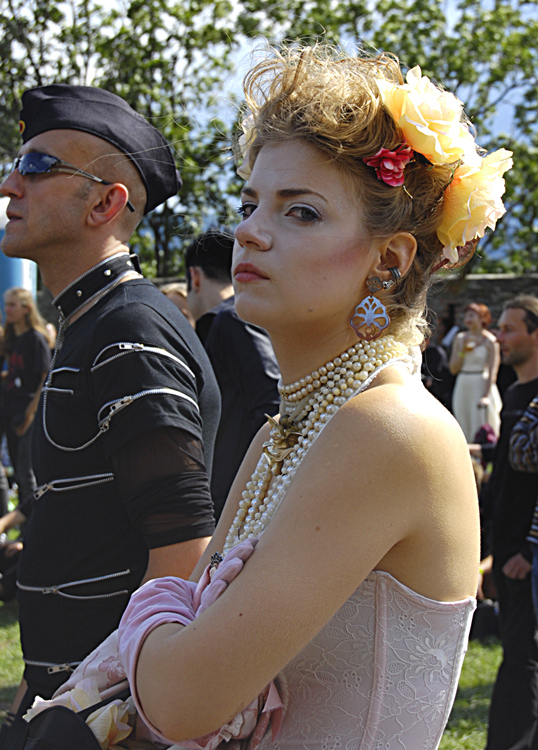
[{"x": 389, "y": 165}]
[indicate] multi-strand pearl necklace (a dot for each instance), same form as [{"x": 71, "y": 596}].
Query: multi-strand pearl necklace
[{"x": 306, "y": 407}]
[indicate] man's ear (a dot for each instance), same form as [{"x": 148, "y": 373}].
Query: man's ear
[
  {"x": 397, "y": 251},
  {"x": 113, "y": 199},
  {"x": 195, "y": 274}
]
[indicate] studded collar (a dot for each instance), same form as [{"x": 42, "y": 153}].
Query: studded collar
[{"x": 94, "y": 282}]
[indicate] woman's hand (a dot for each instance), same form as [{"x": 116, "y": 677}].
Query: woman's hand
[{"x": 11, "y": 549}]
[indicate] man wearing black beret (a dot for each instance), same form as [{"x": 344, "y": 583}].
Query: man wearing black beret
[{"x": 125, "y": 427}]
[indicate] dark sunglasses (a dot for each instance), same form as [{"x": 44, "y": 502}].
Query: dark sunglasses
[{"x": 36, "y": 163}]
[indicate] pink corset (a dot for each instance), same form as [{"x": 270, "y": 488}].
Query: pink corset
[{"x": 381, "y": 675}]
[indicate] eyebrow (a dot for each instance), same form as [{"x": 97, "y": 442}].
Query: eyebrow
[{"x": 285, "y": 193}]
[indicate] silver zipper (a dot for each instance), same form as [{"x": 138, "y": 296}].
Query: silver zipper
[
  {"x": 57, "y": 589},
  {"x": 116, "y": 406},
  {"x": 128, "y": 347},
  {"x": 72, "y": 483},
  {"x": 53, "y": 668},
  {"x": 48, "y": 385}
]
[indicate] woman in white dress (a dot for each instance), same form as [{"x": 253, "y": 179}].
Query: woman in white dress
[
  {"x": 339, "y": 616},
  {"x": 475, "y": 359}
]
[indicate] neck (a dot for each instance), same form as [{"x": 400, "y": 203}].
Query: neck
[
  {"x": 528, "y": 370},
  {"x": 212, "y": 295},
  {"x": 20, "y": 328},
  {"x": 298, "y": 358},
  {"x": 60, "y": 272}
]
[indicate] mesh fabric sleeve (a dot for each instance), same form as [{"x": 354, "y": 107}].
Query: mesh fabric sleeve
[{"x": 163, "y": 483}]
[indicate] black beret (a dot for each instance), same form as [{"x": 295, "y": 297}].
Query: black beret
[{"x": 101, "y": 113}]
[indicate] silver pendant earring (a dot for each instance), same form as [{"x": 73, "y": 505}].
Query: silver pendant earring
[{"x": 371, "y": 318}]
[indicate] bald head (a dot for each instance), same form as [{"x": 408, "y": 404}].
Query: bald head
[
  {"x": 110, "y": 164},
  {"x": 99, "y": 158}
]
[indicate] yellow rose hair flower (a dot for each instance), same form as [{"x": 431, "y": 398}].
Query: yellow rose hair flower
[
  {"x": 430, "y": 119},
  {"x": 473, "y": 202}
]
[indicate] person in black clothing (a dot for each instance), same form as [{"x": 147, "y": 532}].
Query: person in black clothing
[
  {"x": 241, "y": 355},
  {"x": 436, "y": 376},
  {"x": 509, "y": 503},
  {"x": 27, "y": 353},
  {"x": 4, "y": 485},
  {"x": 128, "y": 414}
]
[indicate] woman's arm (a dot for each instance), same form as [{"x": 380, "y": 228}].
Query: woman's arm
[
  {"x": 31, "y": 409},
  {"x": 457, "y": 354},
  {"x": 11, "y": 519},
  {"x": 371, "y": 492},
  {"x": 494, "y": 360}
]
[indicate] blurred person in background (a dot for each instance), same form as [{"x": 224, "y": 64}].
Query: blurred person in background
[
  {"x": 177, "y": 293},
  {"x": 241, "y": 355},
  {"x": 508, "y": 502},
  {"x": 475, "y": 361},
  {"x": 27, "y": 353}
]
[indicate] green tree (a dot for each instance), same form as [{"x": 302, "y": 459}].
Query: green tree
[
  {"x": 172, "y": 60},
  {"x": 165, "y": 59}
]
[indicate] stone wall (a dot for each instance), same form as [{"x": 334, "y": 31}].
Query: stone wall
[{"x": 449, "y": 296}]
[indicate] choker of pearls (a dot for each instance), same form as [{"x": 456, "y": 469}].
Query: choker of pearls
[{"x": 306, "y": 407}]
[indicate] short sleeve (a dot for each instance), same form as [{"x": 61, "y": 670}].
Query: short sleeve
[{"x": 142, "y": 376}]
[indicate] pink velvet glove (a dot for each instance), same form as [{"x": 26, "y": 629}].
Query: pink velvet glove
[
  {"x": 214, "y": 581},
  {"x": 155, "y": 603},
  {"x": 174, "y": 600}
]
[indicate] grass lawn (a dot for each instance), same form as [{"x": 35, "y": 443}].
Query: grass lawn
[
  {"x": 467, "y": 725},
  {"x": 10, "y": 655},
  {"x": 466, "y": 729}
]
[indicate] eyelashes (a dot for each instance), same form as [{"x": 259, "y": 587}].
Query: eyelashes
[
  {"x": 245, "y": 209},
  {"x": 304, "y": 214}
]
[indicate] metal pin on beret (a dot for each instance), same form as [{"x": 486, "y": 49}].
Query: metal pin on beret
[{"x": 101, "y": 113}]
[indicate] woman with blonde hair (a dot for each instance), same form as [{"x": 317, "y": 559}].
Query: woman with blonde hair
[
  {"x": 27, "y": 353},
  {"x": 332, "y": 606}
]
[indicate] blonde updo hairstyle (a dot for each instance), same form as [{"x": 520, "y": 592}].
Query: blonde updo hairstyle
[{"x": 331, "y": 100}]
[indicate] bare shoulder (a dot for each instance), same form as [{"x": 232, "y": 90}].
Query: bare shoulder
[
  {"x": 399, "y": 415},
  {"x": 490, "y": 337}
]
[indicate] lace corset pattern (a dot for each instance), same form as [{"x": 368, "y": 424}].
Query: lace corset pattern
[{"x": 381, "y": 675}]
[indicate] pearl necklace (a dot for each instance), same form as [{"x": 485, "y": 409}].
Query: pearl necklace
[{"x": 306, "y": 407}]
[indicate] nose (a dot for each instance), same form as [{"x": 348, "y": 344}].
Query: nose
[
  {"x": 251, "y": 232},
  {"x": 12, "y": 185}
]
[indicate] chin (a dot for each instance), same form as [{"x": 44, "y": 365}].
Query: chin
[
  {"x": 9, "y": 251},
  {"x": 252, "y": 311}
]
